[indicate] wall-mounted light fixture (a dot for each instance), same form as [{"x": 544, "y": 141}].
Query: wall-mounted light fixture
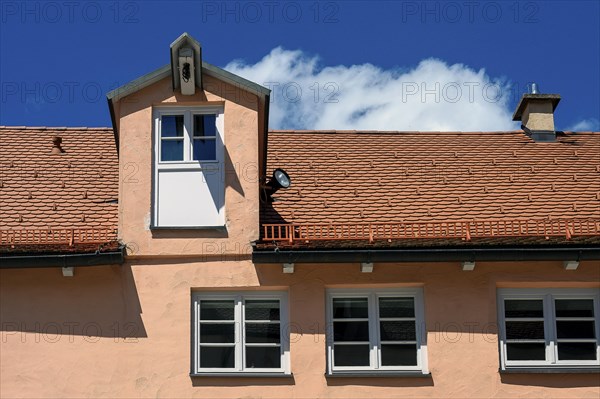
[{"x": 280, "y": 179}]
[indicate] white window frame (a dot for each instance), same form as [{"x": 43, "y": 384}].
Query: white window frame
[
  {"x": 188, "y": 119},
  {"x": 187, "y": 164},
  {"x": 375, "y": 366},
  {"x": 240, "y": 339},
  {"x": 548, "y": 296}
]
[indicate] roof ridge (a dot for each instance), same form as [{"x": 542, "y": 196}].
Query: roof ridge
[
  {"x": 333, "y": 131},
  {"x": 100, "y": 128}
]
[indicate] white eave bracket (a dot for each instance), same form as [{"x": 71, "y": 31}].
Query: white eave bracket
[
  {"x": 468, "y": 266},
  {"x": 288, "y": 268},
  {"x": 571, "y": 264},
  {"x": 366, "y": 267}
]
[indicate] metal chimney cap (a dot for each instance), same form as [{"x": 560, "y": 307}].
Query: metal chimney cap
[{"x": 534, "y": 88}]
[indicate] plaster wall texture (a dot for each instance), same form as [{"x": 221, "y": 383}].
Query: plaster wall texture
[{"x": 124, "y": 331}]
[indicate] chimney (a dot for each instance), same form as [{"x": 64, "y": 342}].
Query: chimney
[
  {"x": 56, "y": 148},
  {"x": 536, "y": 112}
]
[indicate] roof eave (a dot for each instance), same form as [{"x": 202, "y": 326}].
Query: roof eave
[
  {"x": 402, "y": 255},
  {"x": 30, "y": 261}
]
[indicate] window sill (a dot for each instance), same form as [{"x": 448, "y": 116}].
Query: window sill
[
  {"x": 217, "y": 228},
  {"x": 551, "y": 370},
  {"x": 187, "y": 165},
  {"x": 243, "y": 374},
  {"x": 377, "y": 374}
]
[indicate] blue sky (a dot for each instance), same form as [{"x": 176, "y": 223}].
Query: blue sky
[{"x": 333, "y": 64}]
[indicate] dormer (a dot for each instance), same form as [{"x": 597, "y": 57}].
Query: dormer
[{"x": 191, "y": 137}]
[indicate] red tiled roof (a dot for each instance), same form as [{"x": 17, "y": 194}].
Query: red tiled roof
[
  {"x": 360, "y": 178},
  {"x": 44, "y": 192}
]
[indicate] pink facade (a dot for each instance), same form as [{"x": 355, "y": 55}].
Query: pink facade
[
  {"x": 138, "y": 320},
  {"x": 129, "y": 330}
]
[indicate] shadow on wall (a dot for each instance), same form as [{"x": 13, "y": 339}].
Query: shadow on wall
[
  {"x": 382, "y": 381},
  {"x": 228, "y": 173},
  {"x": 552, "y": 380},
  {"x": 97, "y": 302},
  {"x": 241, "y": 381}
]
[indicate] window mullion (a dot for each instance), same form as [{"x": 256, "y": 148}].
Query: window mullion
[
  {"x": 187, "y": 131},
  {"x": 596, "y": 309},
  {"x": 197, "y": 334},
  {"x": 549, "y": 328},
  {"x": 240, "y": 338},
  {"x": 374, "y": 331}
]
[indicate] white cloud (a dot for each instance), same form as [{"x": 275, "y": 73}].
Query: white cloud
[
  {"x": 431, "y": 96},
  {"x": 585, "y": 125}
]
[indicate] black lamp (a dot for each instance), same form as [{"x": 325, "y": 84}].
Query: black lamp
[{"x": 279, "y": 180}]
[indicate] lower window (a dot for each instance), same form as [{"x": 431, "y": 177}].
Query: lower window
[
  {"x": 549, "y": 328},
  {"x": 240, "y": 333},
  {"x": 375, "y": 331}
]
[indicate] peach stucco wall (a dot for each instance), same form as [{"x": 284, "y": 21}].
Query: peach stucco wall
[
  {"x": 240, "y": 171},
  {"x": 124, "y": 331}
]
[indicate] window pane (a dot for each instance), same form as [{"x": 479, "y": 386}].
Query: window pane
[
  {"x": 205, "y": 150},
  {"x": 171, "y": 150},
  {"x": 216, "y": 310},
  {"x": 576, "y": 351},
  {"x": 397, "y": 331},
  {"x": 217, "y": 357},
  {"x": 257, "y": 357},
  {"x": 575, "y": 329},
  {"x": 526, "y": 351},
  {"x": 344, "y": 308},
  {"x": 351, "y": 355},
  {"x": 171, "y": 126},
  {"x": 262, "y": 332},
  {"x": 523, "y": 308},
  {"x": 574, "y": 308},
  {"x": 351, "y": 331},
  {"x": 524, "y": 330},
  {"x": 396, "y": 307},
  {"x": 398, "y": 355},
  {"x": 262, "y": 310},
  {"x": 217, "y": 333},
  {"x": 205, "y": 125}
]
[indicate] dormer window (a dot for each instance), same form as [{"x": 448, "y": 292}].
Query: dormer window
[
  {"x": 188, "y": 171},
  {"x": 188, "y": 137}
]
